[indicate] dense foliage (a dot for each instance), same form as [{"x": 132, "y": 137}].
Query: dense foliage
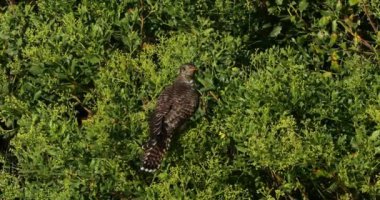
[{"x": 290, "y": 105}]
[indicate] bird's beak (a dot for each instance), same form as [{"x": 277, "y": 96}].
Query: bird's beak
[{"x": 194, "y": 69}]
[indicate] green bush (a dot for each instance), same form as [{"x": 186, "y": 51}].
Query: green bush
[{"x": 290, "y": 105}]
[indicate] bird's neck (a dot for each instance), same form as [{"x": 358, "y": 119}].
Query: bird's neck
[{"x": 186, "y": 80}]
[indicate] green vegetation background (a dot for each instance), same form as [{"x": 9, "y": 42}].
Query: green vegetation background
[{"x": 290, "y": 105}]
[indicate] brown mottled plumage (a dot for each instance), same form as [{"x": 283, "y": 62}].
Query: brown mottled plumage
[{"x": 176, "y": 104}]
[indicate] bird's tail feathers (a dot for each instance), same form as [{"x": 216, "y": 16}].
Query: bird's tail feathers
[{"x": 153, "y": 155}]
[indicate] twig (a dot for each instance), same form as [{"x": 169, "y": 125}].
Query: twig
[
  {"x": 361, "y": 40},
  {"x": 366, "y": 11},
  {"x": 214, "y": 96},
  {"x": 11, "y": 2},
  {"x": 142, "y": 19}
]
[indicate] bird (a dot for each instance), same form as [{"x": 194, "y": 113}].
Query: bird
[{"x": 175, "y": 105}]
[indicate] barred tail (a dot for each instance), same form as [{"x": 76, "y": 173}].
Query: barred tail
[{"x": 154, "y": 152}]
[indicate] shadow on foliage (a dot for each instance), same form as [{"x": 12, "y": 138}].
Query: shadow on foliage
[
  {"x": 10, "y": 164},
  {"x": 81, "y": 113}
]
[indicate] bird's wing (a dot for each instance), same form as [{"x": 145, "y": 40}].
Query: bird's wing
[
  {"x": 182, "y": 108},
  {"x": 157, "y": 145},
  {"x": 163, "y": 106}
]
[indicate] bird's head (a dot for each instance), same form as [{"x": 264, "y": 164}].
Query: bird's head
[{"x": 187, "y": 71}]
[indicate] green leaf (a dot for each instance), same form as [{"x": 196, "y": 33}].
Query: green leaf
[
  {"x": 353, "y": 2},
  {"x": 303, "y": 5},
  {"x": 36, "y": 69},
  {"x": 375, "y": 136},
  {"x": 37, "y": 95},
  {"x": 94, "y": 59},
  {"x": 276, "y": 31},
  {"x": 338, "y": 5},
  {"x": 324, "y": 21}
]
